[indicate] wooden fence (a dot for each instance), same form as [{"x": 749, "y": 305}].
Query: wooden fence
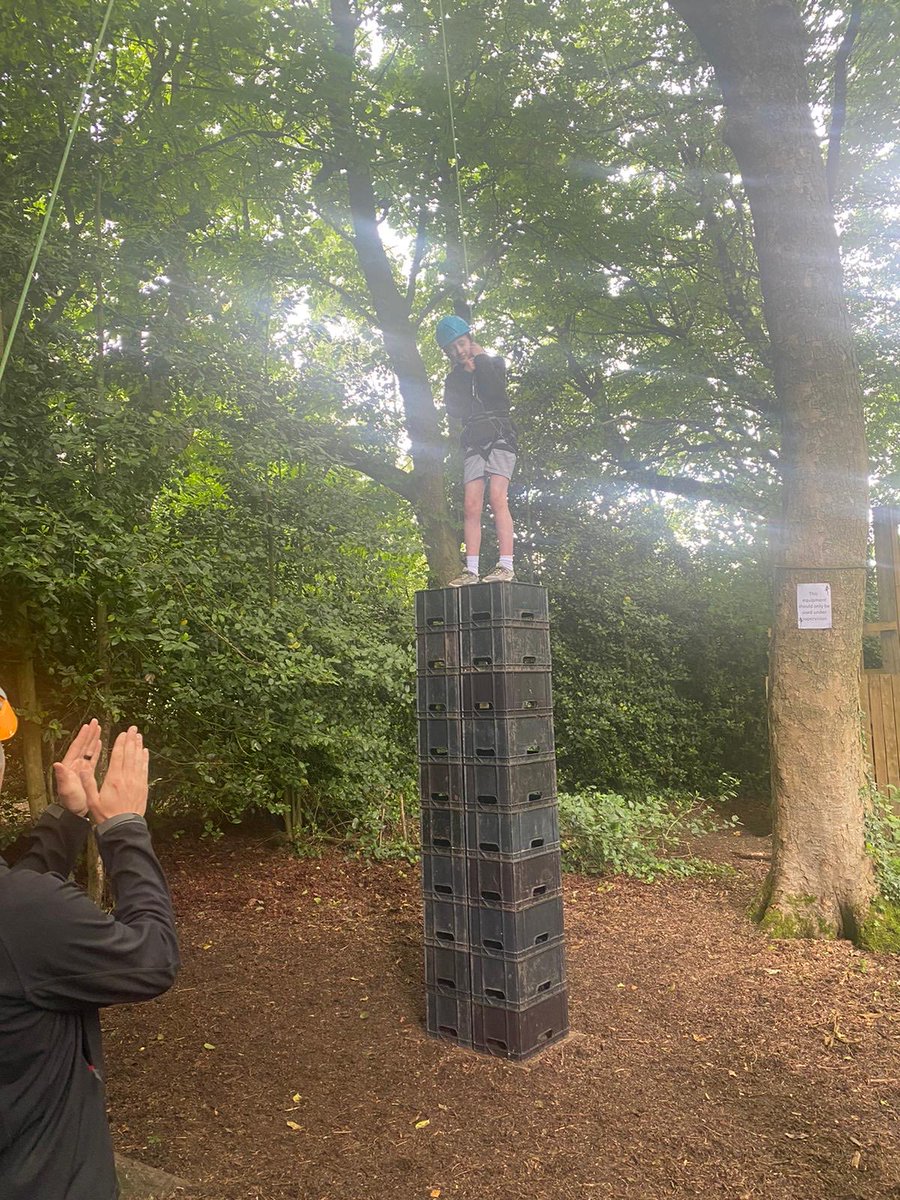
[{"x": 880, "y": 698}]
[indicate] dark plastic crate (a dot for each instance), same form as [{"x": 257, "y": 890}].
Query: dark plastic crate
[
  {"x": 440, "y": 738},
  {"x": 485, "y": 603},
  {"x": 512, "y": 882},
  {"x": 438, "y": 608},
  {"x": 441, "y": 783},
  {"x": 443, "y": 829},
  {"x": 512, "y": 932},
  {"x": 437, "y": 694},
  {"x": 448, "y": 970},
  {"x": 501, "y": 785},
  {"x": 446, "y": 922},
  {"x": 512, "y": 830},
  {"x": 513, "y": 690},
  {"x": 438, "y": 651},
  {"x": 509, "y": 736},
  {"x": 519, "y": 1033},
  {"x": 512, "y": 644},
  {"x": 445, "y": 877},
  {"x": 448, "y": 1017},
  {"x": 518, "y": 982}
]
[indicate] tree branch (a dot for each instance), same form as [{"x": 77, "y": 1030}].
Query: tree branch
[
  {"x": 418, "y": 254},
  {"x": 839, "y": 104},
  {"x": 339, "y": 449}
]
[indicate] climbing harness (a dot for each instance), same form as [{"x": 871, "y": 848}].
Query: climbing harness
[
  {"x": 503, "y": 427},
  {"x": 73, "y": 129}
]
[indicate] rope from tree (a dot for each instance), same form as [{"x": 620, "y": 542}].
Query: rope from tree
[
  {"x": 462, "y": 228},
  {"x": 73, "y": 129}
]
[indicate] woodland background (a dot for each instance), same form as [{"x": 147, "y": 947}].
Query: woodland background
[{"x": 212, "y": 516}]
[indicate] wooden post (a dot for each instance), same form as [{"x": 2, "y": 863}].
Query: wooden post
[{"x": 886, "y": 523}]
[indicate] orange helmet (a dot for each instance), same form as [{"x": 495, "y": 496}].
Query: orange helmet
[{"x": 9, "y": 722}]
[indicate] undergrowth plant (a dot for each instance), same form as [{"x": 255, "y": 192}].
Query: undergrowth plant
[
  {"x": 606, "y": 833},
  {"x": 883, "y": 841}
]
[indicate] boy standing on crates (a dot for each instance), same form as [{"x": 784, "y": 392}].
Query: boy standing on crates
[{"x": 475, "y": 397}]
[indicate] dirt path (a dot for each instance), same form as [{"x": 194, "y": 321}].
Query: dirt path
[{"x": 708, "y": 1062}]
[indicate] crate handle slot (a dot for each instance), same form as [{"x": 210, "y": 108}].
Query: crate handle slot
[
  {"x": 437, "y": 664},
  {"x": 490, "y": 847},
  {"x": 533, "y": 797},
  {"x": 530, "y": 704},
  {"x": 526, "y": 616},
  {"x": 530, "y": 659},
  {"x": 437, "y": 707},
  {"x": 439, "y": 751},
  {"x": 536, "y": 842},
  {"x": 481, "y": 616},
  {"x": 451, "y": 983},
  {"x": 485, "y": 752},
  {"x": 483, "y": 661},
  {"x": 443, "y": 889},
  {"x": 539, "y": 891},
  {"x": 541, "y": 937},
  {"x": 496, "y": 993},
  {"x": 487, "y": 799},
  {"x": 484, "y": 705},
  {"x": 440, "y": 797},
  {"x": 545, "y": 986},
  {"x": 440, "y": 841},
  {"x": 435, "y": 622},
  {"x": 491, "y": 896},
  {"x": 496, "y": 1042},
  {"x": 443, "y": 935},
  {"x": 547, "y": 1035},
  {"x": 449, "y": 1030},
  {"x": 535, "y": 749},
  {"x": 492, "y": 944}
]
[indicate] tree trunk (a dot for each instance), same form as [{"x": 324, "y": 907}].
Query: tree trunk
[
  {"x": 822, "y": 881},
  {"x": 392, "y": 309},
  {"x": 93, "y": 862},
  {"x": 30, "y": 728}
]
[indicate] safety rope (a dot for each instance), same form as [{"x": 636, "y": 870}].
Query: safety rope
[
  {"x": 462, "y": 227},
  {"x": 73, "y": 129}
]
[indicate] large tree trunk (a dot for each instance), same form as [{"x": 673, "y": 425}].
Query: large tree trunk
[
  {"x": 821, "y": 881},
  {"x": 393, "y": 311}
]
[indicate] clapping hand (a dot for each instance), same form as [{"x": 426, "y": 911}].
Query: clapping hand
[
  {"x": 79, "y": 764},
  {"x": 124, "y": 790}
]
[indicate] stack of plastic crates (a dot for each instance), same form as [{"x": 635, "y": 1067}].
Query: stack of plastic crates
[{"x": 494, "y": 952}]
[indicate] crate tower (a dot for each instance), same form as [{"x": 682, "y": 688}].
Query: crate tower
[{"x": 494, "y": 952}]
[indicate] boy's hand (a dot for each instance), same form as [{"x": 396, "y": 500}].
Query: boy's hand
[
  {"x": 474, "y": 348},
  {"x": 124, "y": 789},
  {"x": 79, "y": 763}
]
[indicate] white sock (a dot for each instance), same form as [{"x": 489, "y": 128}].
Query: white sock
[
  {"x": 506, "y": 560},
  {"x": 472, "y": 563}
]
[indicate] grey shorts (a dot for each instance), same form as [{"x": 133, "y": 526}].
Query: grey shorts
[{"x": 498, "y": 462}]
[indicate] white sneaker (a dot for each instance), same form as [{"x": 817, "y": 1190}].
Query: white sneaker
[
  {"x": 499, "y": 575},
  {"x": 463, "y": 580}
]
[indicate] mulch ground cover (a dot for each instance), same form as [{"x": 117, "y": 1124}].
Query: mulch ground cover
[{"x": 290, "y": 1061}]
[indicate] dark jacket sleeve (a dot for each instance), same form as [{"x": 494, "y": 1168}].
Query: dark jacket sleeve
[
  {"x": 55, "y": 842},
  {"x": 490, "y": 383},
  {"x": 458, "y": 395},
  {"x": 72, "y": 956}
]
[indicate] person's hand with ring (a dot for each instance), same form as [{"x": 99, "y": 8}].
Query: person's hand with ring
[{"x": 79, "y": 760}]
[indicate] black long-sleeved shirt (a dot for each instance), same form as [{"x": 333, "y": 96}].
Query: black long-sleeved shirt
[
  {"x": 478, "y": 400},
  {"x": 61, "y": 960}
]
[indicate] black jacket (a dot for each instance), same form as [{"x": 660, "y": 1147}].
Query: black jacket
[
  {"x": 61, "y": 959},
  {"x": 479, "y": 401}
]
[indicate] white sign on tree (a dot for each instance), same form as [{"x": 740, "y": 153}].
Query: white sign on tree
[{"x": 813, "y": 605}]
